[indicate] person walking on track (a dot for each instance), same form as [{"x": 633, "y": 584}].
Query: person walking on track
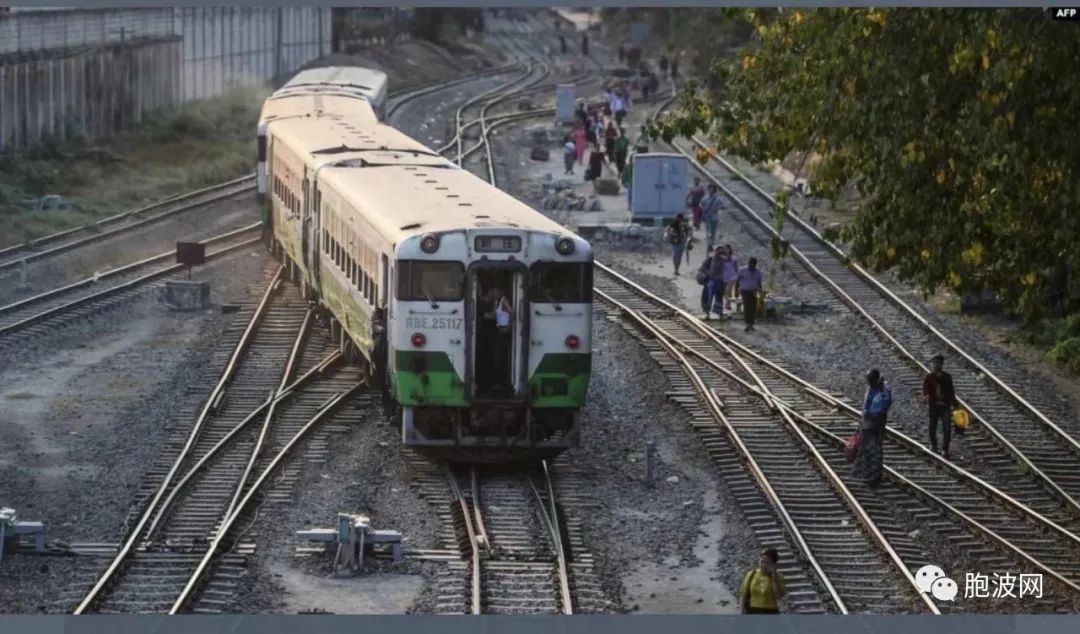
[
  {"x": 579, "y": 143},
  {"x": 714, "y": 283},
  {"x": 678, "y": 235},
  {"x": 585, "y": 44},
  {"x": 693, "y": 202},
  {"x": 611, "y": 133},
  {"x": 876, "y": 404},
  {"x": 569, "y": 154},
  {"x": 749, "y": 280},
  {"x": 622, "y": 150},
  {"x": 628, "y": 183},
  {"x": 939, "y": 393},
  {"x": 711, "y": 205},
  {"x": 764, "y": 586},
  {"x": 731, "y": 273}
]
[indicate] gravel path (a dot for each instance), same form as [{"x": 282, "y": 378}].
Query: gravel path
[{"x": 84, "y": 412}]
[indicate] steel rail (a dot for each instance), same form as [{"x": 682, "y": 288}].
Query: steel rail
[
  {"x": 897, "y": 435},
  {"x": 715, "y": 408},
  {"x": 725, "y": 342},
  {"x": 204, "y": 461},
  {"x": 409, "y": 95},
  {"x": 551, "y": 520},
  {"x": 476, "y": 606},
  {"x": 19, "y": 325},
  {"x": 1007, "y": 444},
  {"x": 161, "y": 257},
  {"x": 256, "y": 452},
  {"x": 32, "y": 245},
  {"x": 133, "y": 537},
  {"x": 739, "y": 353},
  {"x": 710, "y": 397},
  {"x": 223, "y": 530},
  {"x": 900, "y": 303}
]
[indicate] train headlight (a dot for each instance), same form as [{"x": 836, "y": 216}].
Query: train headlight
[
  {"x": 573, "y": 342},
  {"x": 419, "y": 340},
  {"x": 565, "y": 246},
  {"x": 429, "y": 243}
]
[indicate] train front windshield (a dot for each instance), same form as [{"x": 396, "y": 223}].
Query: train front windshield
[
  {"x": 569, "y": 282},
  {"x": 420, "y": 280}
]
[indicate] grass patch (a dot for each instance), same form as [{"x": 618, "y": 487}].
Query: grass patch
[
  {"x": 206, "y": 142},
  {"x": 1059, "y": 338}
]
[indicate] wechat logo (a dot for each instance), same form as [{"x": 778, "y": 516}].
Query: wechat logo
[{"x": 932, "y": 579}]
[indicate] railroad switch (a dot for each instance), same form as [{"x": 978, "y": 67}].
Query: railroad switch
[
  {"x": 12, "y": 532},
  {"x": 355, "y": 538}
]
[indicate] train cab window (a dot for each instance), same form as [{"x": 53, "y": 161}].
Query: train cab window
[
  {"x": 553, "y": 282},
  {"x": 421, "y": 280}
]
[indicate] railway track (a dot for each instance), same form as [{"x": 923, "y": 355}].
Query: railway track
[
  {"x": 991, "y": 529},
  {"x": 1010, "y": 428},
  {"x": 265, "y": 402},
  {"x": 124, "y": 222},
  {"x": 79, "y": 299},
  {"x": 509, "y": 546}
]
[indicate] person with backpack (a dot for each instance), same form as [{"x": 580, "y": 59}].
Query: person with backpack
[
  {"x": 678, "y": 235},
  {"x": 876, "y": 404},
  {"x": 764, "y": 586},
  {"x": 710, "y": 276},
  {"x": 693, "y": 202}
]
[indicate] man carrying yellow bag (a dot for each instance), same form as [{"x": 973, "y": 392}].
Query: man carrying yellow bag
[{"x": 938, "y": 392}]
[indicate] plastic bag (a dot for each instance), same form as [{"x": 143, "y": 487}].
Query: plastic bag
[
  {"x": 961, "y": 421},
  {"x": 851, "y": 447}
]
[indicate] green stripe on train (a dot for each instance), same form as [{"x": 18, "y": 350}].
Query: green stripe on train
[
  {"x": 561, "y": 380},
  {"x": 427, "y": 378}
]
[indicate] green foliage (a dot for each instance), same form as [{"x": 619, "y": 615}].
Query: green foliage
[
  {"x": 1066, "y": 353},
  {"x": 953, "y": 125}
]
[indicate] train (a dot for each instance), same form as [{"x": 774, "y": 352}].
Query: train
[{"x": 471, "y": 310}]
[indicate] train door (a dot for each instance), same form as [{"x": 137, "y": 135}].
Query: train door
[{"x": 498, "y": 312}]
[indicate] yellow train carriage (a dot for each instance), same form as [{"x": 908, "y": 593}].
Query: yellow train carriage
[{"x": 331, "y": 248}]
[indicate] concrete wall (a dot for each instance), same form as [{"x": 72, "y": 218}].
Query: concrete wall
[
  {"x": 103, "y": 70},
  {"x": 91, "y": 93}
]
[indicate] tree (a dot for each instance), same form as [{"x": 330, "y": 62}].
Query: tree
[{"x": 953, "y": 125}]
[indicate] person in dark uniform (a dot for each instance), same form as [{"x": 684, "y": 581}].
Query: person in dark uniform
[
  {"x": 562, "y": 43},
  {"x": 585, "y": 44},
  {"x": 939, "y": 394}
]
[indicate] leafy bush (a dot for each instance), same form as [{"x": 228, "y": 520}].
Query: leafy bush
[{"x": 1066, "y": 353}]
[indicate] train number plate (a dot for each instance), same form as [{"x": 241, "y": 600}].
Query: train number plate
[
  {"x": 433, "y": 323},
  {"x": 498, "y": 244}
]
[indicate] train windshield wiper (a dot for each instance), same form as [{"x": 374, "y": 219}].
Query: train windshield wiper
[{"x": 427, "y": 295}]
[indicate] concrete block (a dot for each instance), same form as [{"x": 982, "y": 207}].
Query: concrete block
[{"x": 186, "y": 295}]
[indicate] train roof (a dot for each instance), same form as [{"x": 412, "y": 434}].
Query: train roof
[
  {"x": 353, "y": 108},
  {"x": 402, "y": 187},
  {"x": 405, "y": 201},
  {"x": 368, "y": 82},
  {"x": 323, "y": 139}
]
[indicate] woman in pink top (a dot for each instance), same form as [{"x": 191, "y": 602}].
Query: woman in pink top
[{"x": 579, "y": 142}]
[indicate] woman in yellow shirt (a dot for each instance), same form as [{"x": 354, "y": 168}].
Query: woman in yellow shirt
[{"x": 763, "y": 587}]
